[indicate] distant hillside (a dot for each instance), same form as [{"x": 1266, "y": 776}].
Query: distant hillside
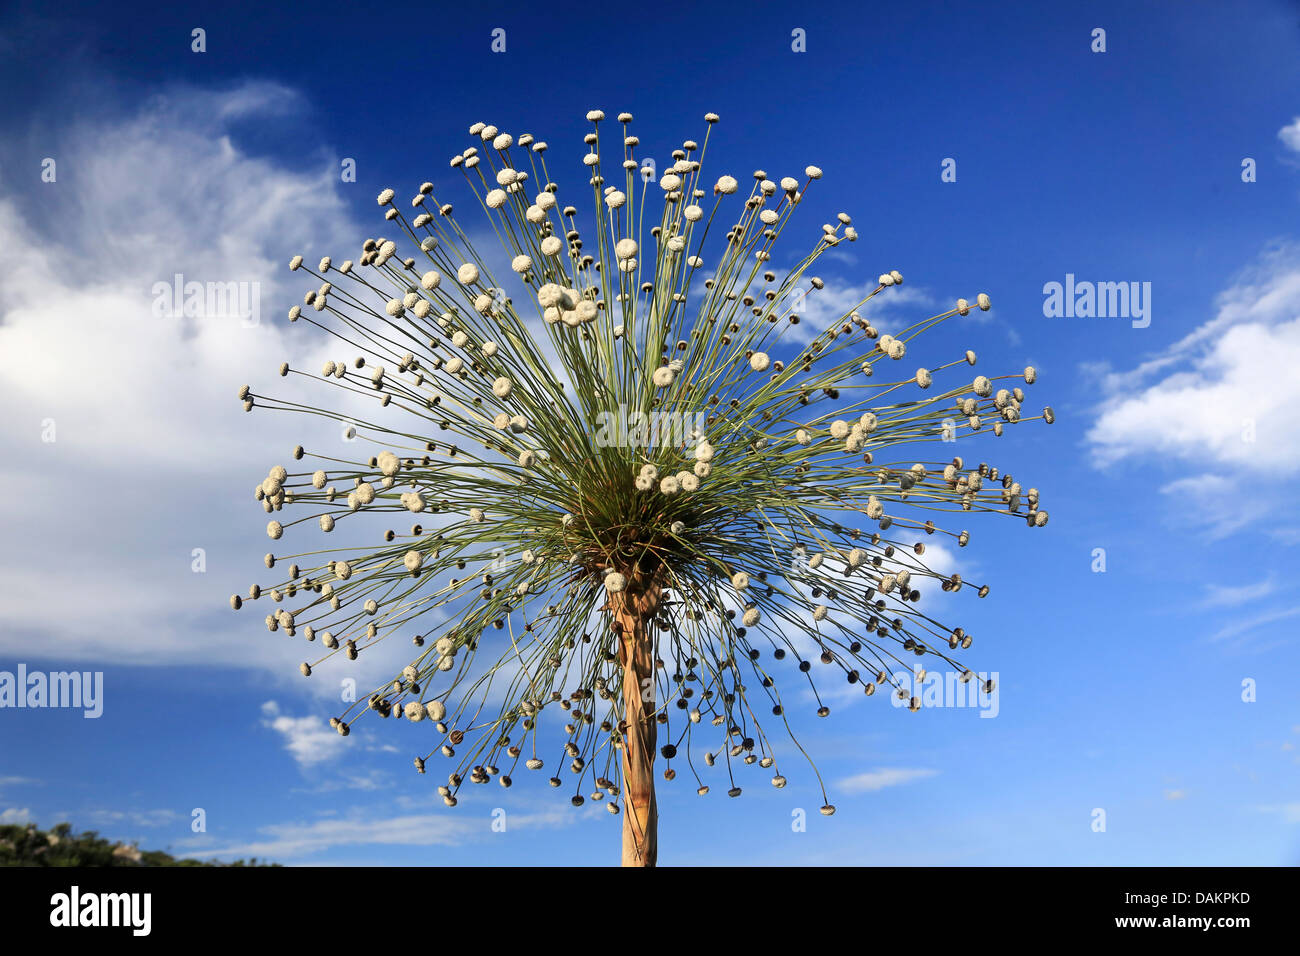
[{"x": 28, "y": 846}]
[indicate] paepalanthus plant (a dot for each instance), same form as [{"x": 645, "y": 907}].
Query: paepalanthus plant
[{"x": 641, "y": 491}]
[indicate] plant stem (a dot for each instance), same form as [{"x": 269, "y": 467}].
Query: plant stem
[{"x": 633, "y": 610}]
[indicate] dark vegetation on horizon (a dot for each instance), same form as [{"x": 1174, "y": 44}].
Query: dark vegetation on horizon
[{"x": 25, "y": 845}]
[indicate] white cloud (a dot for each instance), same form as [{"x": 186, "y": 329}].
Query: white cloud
[
  {"x": 1231, "y": 596},
  {"x": 1224, "y": 397},
  {"x": 874, "y": 780},
  {"x": 151, "y": 445},
  {"x": 15, "y": 815},
  {"x": 1244, "y": 625},
  {"x": 1289, "y": 812},
  {"x": 141, "y": 818},
  {"x": 1290, "y": 135},
  {"x": 294, "y": 840},
  {"x": 309, "y": 739},
  {"x": 1175, "y": 794}
]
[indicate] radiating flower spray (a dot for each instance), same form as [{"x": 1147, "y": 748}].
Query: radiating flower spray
[{"x": 601, "y": 605}]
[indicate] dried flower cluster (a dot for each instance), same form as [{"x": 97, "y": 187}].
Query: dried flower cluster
[{"x": 574, "y": 596}]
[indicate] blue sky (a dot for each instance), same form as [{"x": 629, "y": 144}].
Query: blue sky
[{"x": 1175, "y": 445}]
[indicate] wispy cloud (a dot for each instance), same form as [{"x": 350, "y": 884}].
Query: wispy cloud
[
  {"x": 1231, "y": 596},
  {"x": 140, "y": 818},
  {"x": 289, "y": 841},
  {"x": 1289, "y": 812},
  {"x": 874, "y": 780},
  {"x": 1251, "y": 623}
]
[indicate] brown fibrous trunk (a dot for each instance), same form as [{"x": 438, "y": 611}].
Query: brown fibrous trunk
[{"x": 633, "y": 610}]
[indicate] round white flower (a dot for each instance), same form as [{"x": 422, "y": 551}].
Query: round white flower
[
  {"x": 750, "y": 617},
  {"x": 467, "y": 274},
  {"x": 626, "y": 248},
  {"x": 501, "y": 387},
  {"x": 615, "y": 582},
  {"x": 740, "y": 580},
  {"x": 521, "y": 264},
  {"x": 413, "y": 560},
  {"x": 760, "y": 361},
  {"x": 663, "y": 377}
]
